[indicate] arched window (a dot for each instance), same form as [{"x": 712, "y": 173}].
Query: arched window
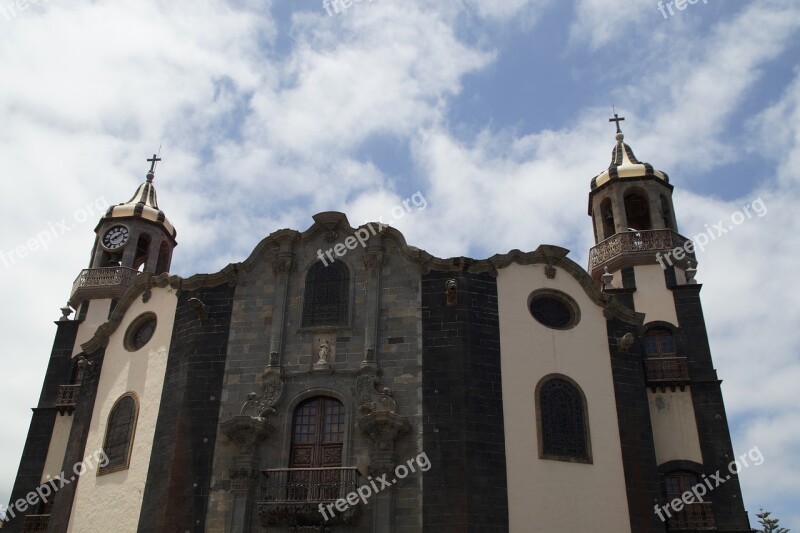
[
  {"x": 317, "y": 441},
  {"x": 163, "y": 258},
  {"x": 679, "y": 482},
  {"x": 637, "y": 211},
  {"x": 120, "y": 430},
  {"x": 658, "y": 342},
  {"x": 607, "y": 215},
  {"x": 327, "y": 295},
  {"x": 563, "y": 424},
  {"x": 142, "y": 253}
]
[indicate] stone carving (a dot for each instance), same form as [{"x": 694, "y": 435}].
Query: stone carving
[
  {"x": 325, "y": 351},
  {"x": 373, "y": 257},
  {"x": 273, "y": 389},
  {"x": 365, "y": 390},
  {"x": 246, "y": 432},
  {"x": 625, "y": 342},
  {"x": 263, "y": 406},
  {"x": 451, "y": 288},
  {"x": 550, "y": 271},
  {"x": 331, "y": 235},
  {"x": 283, "y": 264},
  {"x": 242, "y": 477},
  {"x": 305, "y": 515}
]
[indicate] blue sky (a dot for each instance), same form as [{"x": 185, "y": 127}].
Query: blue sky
[{"x": 497, "y": 112}]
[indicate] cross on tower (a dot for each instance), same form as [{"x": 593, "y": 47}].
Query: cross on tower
[
  {"x": 155, "y": 159},
  {"x": 617, "y": 119}
]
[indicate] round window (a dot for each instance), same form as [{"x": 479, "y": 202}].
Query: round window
[
  {"x": 554, "y": 309},
  {"x": 140, "y": 332}
]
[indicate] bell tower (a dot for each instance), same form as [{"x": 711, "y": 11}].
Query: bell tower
[
  {"x": 634, "y": 223},
  {"x": 132, "y": 237}
]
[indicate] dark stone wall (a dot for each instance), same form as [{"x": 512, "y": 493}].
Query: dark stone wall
[
  {"x": 635, "y": 431},
  {"x": 34, "y": 453},
  {"x": 463, "y": 434},
  {"x": 179, "y": 475},
  {"x": 712, "y": 422},
  {"x": 76, "y": 445}
]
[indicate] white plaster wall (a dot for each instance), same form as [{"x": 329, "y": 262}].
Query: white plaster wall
[
  {"x": 544, "y": 495},
  {"x": 58, "y": 447},
  {"x": 652, "y": 296},
  {"x": 113, "y": 501},
  {"x": 95, "y": 317},
  {"x": 674, "y": 426}
]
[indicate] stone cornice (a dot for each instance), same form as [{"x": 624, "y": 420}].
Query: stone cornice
[{"x": 142, "y": 285}]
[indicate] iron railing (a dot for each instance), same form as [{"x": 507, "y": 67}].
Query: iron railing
[
  {"x": 35, "y": 523},
  {"x": 292, "y": 485},
  {"x": 67, "y": 395},
  {"x": 110, "y": 282},
  {"x": 638, "y": 241},
  {"x": 692, "y": 517},
  {"x": 667, "y": 369}
]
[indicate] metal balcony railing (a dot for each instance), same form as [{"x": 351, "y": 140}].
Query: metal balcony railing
[
  {"x": 35, "y": 523},
  {"x": 653, "y": 240},
  {"x": 291, "y": 485},
  {"x": 692, "y": 517},
  {"x": 109, "y": 282},
  {"x": 663, "y": 370},
  {"x": 68, "y": 395}
]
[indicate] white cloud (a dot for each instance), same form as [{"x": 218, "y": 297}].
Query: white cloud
[{"x": 257, "y": 139}]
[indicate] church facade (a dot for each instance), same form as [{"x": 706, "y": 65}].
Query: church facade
[{"x": 377, "y": 388}]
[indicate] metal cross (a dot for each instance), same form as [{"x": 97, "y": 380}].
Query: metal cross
[
  {"x": 617, "y": 119},
  {"x": 155, "y": 160}
]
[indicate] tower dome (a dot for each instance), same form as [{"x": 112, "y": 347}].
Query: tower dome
[
  {"x": 143, "y": 205},
  {"x": 624, "y": 165}
]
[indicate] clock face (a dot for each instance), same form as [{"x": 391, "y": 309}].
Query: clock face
[{"x": 115, "y": 237}]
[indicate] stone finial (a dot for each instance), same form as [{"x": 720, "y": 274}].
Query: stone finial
[{"x": 608, "y": 278}]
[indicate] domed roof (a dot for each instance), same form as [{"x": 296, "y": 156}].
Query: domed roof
[
  {"x": 624, "y": 165},
  {"x": 144, "y": 205}
]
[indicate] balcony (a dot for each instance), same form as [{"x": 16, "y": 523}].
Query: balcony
[
  {"x": 35, "y": 523},
  {"x": 291, "y": 496},
  {"x": 67, "y": 398},
  {"x": 645, "y": 243},
  {"x": 666, "y": 371},
  {"x": 109, "y": 282},
  {"x": 695, "y": 516}
]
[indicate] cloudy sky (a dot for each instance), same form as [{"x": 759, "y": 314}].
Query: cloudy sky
[{"x": 495, "y": 111}]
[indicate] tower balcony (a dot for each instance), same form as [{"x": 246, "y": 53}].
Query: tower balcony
[
  {"x": 663, "y": 371},
  {"x": 67, "y": 398},
  {"x": 108, "y": 282},
  {"x": 35, "y": 523},
  {"x": 291, "y": 496},
  {"x": 693, "y": 517},
  {"x": 641, "y": 247}
]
